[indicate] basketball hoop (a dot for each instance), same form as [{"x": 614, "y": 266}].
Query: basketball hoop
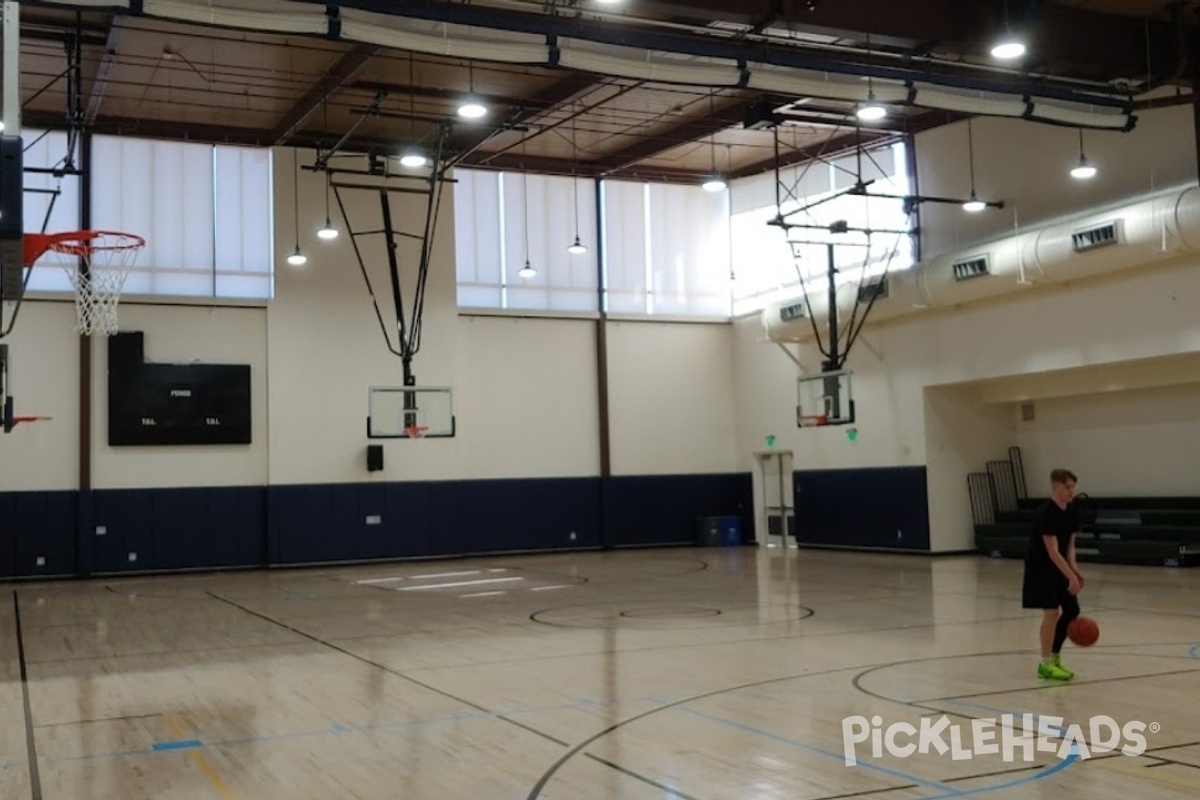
[
  {"x": 13, "y": 422},
  {"x": 97, "y": 262},
  {"x": 812, "y": 420},
  {"x": 416, "y": 431}
]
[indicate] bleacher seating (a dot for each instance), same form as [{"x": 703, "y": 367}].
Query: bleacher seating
[{"x": 1163, "y": 531}]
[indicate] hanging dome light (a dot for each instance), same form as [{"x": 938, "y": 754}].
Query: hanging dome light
[
  {"x": 327, "y": 231},
  {"x": 1084, "y": 170},
  {"x": 412, "y": 159},
  {"x": 472, "y": 109},
  {"x": 1008, "y": 49},
  {"x": 872, "y": 111}
]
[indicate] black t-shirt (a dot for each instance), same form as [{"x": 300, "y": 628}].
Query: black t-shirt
[{"x": 1062, "y": 522}]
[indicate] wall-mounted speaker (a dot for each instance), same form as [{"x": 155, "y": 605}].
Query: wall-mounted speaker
[{"x": 374, "y": 457}]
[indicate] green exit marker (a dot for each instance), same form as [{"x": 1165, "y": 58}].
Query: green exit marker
[
  {"x": 770, "y": 441},
  {"x": 852, "y": 434}
]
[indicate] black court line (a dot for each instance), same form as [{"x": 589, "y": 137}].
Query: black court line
[
  {"x": 128, "y": 718},
  {"x": 389, "y": 670},
  {"x": 670, "y": 790},
  {"x": 538, "y": 787},
  {"x": 1061, "y": 684},
  {"x": 35, "y": 778}
]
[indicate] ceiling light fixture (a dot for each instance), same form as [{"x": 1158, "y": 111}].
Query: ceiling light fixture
[
  {"x": 1009, "y": 46},
  {"x": 873, "y": 110},
  {"x": 1084, "y": 170},
  {"x": 412, "y": 159},
  {"x": 327, "y": 231},
  {"x": 1008, "y": 49},
  {"x": 472, "y": 109},
  {"x": 297, "y": 258},
  {"x": 974, "y": 205}
]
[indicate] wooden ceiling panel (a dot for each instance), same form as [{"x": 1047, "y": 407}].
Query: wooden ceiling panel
[{"x": 189, "y": 81}]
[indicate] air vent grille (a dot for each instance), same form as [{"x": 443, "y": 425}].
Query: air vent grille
[
  {"x": 874, "y": 290},
  {"x": 793, "y": 311},
  {"x": 1095, "y": 236},
  {"x": 971, "y": 268}
]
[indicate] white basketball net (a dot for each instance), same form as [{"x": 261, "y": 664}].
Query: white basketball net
[{"x": 97, "y": 262}]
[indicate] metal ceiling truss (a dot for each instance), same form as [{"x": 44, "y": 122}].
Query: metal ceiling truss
[{"x": 648, "y": 50}]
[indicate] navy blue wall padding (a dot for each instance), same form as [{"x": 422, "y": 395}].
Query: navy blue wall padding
[
  {"x": 8, "y": 535},
  {"x": 863, "y": 507},
  {"x": 312, "y": 524},
  {"x": 248, "y": 526},
  {"x": 666, "y": 509},
  {"x": 84, "y": 533},
  {"x": 127, "y": 516},
  {"x": 528, "y": 514},
  {"x": 38, "y": 524},
  {"x": 168, "y": 529},
  {"x": 208, "y": 528}
]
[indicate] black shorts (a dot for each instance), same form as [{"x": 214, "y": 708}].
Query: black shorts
[{"x": 1043, "y": 587}]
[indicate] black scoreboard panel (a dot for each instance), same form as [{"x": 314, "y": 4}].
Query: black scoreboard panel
[{"x": 162, "y": 404}]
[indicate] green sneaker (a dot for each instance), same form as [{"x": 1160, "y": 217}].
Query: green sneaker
[
  {"x": 1056, "y": 661},
  {"x": 1050, "y": 671}
]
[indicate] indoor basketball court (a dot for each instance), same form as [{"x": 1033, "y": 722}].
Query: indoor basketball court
[{"x": 585, "y": 399}]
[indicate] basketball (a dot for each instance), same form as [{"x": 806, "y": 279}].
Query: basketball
[{"x": 1083, "y": 631}]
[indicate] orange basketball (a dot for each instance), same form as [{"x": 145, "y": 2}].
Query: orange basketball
[{"x": 1083, "y": 631}]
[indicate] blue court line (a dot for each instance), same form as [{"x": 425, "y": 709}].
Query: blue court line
[
  {"x": 1040, "y": 775},
  {"x": 182, "y": 744},
  {"x": 895, "y": 773},
  {"x": 339, "y": 728}
]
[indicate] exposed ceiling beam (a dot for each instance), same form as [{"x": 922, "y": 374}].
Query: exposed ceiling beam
[
  {"x": 466, "y": 142},
  {"x": 116, "y": 31},
  {"x": 155, "y": 129},
  {"x": 650, "y": 144},
  {"x": 1119, "y": 41},
  {"x": 1092, "y": 43},
  {"x": 342, "y": 70},
  {"x": 543, "y": 165},
  {"x": 834, "y": 147}
]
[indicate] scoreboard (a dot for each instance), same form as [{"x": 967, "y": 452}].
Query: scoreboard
[{"x": 166, "y": 404}]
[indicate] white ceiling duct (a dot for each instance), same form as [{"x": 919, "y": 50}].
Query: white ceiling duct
[
  {"x": 576, "y": 50},
  {"x": 275, "y": 17},
  {"x": 1154, "y": 229},
  {"x": 630, "y": 62},
  {"x": 799, "y": 84},
  {"x": 443, "y": 39}
]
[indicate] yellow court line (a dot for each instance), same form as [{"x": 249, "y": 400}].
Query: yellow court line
[{"x": 202, "y": 762}]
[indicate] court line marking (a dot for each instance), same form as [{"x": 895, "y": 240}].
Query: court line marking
[
  {"x": 889, "y": 771},
  {"x": 385, "y": 668},
  {"x": 671, "y": 791},
  {"x": 35, "y": 778},
  {"x": 200, "y": 760}
]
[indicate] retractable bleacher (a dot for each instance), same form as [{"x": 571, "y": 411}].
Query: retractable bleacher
[{"x": 1159, "y": 531}]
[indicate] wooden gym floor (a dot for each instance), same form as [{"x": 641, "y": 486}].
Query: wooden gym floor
[{"x": 678, "y": 673}]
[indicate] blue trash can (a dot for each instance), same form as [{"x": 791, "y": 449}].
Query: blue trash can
[{"x": 720, "y": 532}]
